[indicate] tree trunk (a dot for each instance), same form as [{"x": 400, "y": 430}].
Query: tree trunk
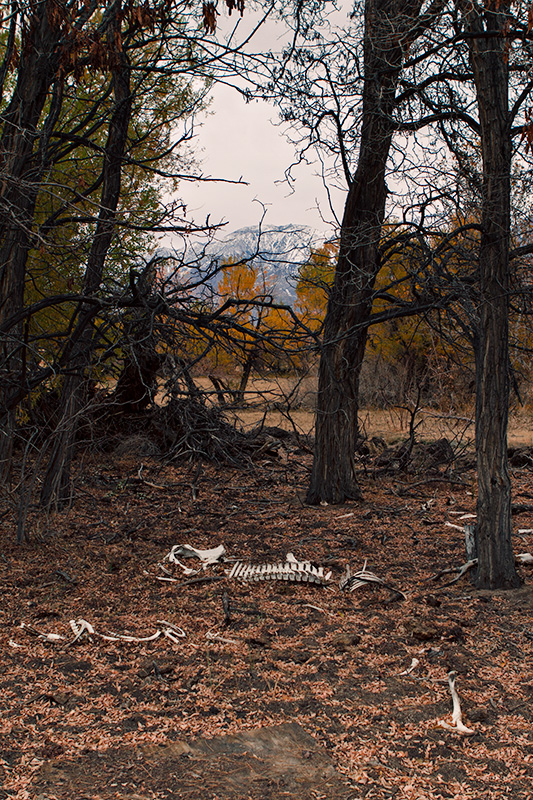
[
  {"x": 21, "y": 174},
  {"x": 247, "y": 368},
  {"x": 496, "y": 567},
  {"x": 388, "y": 27},
  {"x": 56, "y": 489},
  {"x": 137, "y": 383}
]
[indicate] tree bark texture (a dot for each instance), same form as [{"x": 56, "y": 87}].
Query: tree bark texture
[
  {"x": 389, "y": 25},
  {"x": 56, "y": 491},
  {"x": 496, "y": 566},
  {"x": 137, "y": 383},
  {"x": 21, "y": 173}
]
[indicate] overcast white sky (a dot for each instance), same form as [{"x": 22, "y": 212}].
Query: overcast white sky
[{"x": 238, "y": 139}]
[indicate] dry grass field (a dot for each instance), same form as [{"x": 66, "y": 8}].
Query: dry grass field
[{"x": 266, "y": 403}]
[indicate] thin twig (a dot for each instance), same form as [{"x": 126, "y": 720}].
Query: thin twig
[{"x": 203, "y": 579}]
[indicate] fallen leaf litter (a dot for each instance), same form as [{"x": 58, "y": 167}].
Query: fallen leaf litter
[{"x": 277, "y": 658}]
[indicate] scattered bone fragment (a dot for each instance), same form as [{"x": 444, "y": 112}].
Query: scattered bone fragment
[
  {"x": 462, "y": 570},
  {"x": 81, "y": 627},
  {"x": 118, "y": 637},
  {"x": 171, "y": 631},
  {"x": 453, "y": 525},
  {"x": 48, "y": 637},
  {"x": 187, "y": 571},
  {"x": 214, "y": 636},
  {"x": 318, "y": 608},
  {"x": 414, "y": 664},
  {"x": 207, "y": 557},
  {"x": 457, "y": 717}
]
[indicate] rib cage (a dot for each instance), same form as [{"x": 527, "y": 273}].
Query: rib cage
[
  {"x": 300, "y": 571},
  {"x": 349, "y": 582}
]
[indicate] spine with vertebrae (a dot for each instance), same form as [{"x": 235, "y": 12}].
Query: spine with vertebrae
[{"x": 290, "y": 570}]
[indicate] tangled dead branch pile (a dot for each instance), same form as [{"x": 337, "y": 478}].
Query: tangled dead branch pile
[{"x": 191, "y": 430}]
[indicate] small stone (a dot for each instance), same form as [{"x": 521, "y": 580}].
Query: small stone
[
  {"x": 259, "y": 640},
  {"x": 421, "y": 629},
  {"x": 455, "y": 633},
  {"x": 343, "y": 641},
  {"x": 59, "y": 698}
]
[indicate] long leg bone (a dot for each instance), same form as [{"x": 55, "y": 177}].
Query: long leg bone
[{"x": 457, "y": 717}]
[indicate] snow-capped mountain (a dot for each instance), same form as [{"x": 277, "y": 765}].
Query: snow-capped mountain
[
  {"x": 278, "y": 251},
  {"x": 275, "y": 251}
]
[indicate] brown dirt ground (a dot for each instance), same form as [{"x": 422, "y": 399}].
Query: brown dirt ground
[{"x": 88, "y": 720}]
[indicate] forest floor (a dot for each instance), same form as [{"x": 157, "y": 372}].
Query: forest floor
[{"x": 306, "y": 691}]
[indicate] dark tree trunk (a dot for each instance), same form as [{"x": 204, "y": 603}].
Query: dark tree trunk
[
  {"x": 496, "y": 567},
  {"x": 56, "y": 489},
  {"x": 21, "y": 173},
  {"x": 389, "y": 24},
  {"x": 247, "y": 369},
  {"x": 137, "y": 383}
]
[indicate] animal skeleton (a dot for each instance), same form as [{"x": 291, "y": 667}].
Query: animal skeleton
[
  {"x": 207, "y": 557},
  {"x": 349, "y": 582},
  {"x": 291, "y": 570},
  {"x": 80, "y": 627}
]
